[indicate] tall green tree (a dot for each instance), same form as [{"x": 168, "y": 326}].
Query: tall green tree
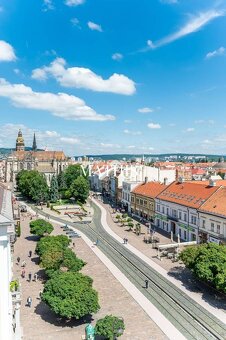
[
  {"x": 33, "y": 185},
  {"x": 71, "y": 295},
  {"x": 71, "y": 173},
  {"x": 47, "y": 242},
  {"x": 54, "y": 190},
  {"x": 79, "y": 189}
]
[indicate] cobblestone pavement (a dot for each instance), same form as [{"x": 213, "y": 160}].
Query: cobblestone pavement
[{"x": 38, "y": 322}]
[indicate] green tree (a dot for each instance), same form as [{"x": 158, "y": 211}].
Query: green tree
[
  {"x": 79, "y": 189},
  {"x": 47, "y": 242},
  {"x": 54, "y": 191},
  {"x": 40, "y": 227},
  {"x": 110, "y": 327},
  {"x": 71, "y": 261},
  {"x": 72, "y": 173},
  {"x": 33, "y": 185},
  {"x": 61, "y": 182},
  {"x": 71, "y": 295}
]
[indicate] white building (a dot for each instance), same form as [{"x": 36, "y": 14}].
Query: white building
[
  {"x": 177, "y": 208},
  {"x": 7, "y": 316}
]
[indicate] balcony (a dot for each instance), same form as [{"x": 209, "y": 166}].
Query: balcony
[{"x": 172, "y": 218}]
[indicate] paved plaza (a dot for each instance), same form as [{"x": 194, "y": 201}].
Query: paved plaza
[{"x": 39, "y": 322}]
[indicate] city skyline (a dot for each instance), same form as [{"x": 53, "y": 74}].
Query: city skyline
[{"x": 114, "y": 77}]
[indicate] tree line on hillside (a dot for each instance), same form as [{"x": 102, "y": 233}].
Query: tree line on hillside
[
  {"x": 71, "y": 183},
  {"x": 67, "y": 292}
]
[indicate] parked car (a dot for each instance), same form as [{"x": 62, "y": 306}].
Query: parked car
[{"x": 74, "y": 236}]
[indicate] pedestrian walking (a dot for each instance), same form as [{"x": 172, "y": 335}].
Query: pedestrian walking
[
  {"x": 24, "y": 264},
  {"x": 146, "y": 284},
  {"x": 29, "y": 301},
  {"x": 18, "y": 260},
  {"x": 23, "y": 273},
  {"x": 29, "y": 277},
  {"x": 97, "y": 242},
  {"x": 73, "y": 244},
  {"x": 40, "y": 294},
  {"x": 30, "y": 253},
  {"x": 35, "y": 277},
  {"x": 124, "y": 241}
]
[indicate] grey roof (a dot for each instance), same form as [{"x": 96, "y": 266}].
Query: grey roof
[{"x": 6, "y": 212}]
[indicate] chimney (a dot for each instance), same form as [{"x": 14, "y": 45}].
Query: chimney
[
  {"x": 212, "y": 183},
  {"x": 181, "y": 179},
  {"x": 145, "y": 180},
  {"x": 165, "y": 181}
]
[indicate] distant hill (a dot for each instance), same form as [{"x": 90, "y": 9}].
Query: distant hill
[{"x": 172, "y": 156}]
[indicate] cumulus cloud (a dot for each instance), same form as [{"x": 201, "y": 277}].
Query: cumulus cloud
[
  {"x": 72, "y": 3},
  {"x": 60, "y": 104},
  {"x": 48, "y": 5},
  {"x": 134, "y": 133},
  {"x": 219, "y": 52},
  {"x": 145, "y": 110},
  {"x": 6, "y": 51},
  {"x": 70, "y": 140},
  {"x": 154, "y": 126},
  {"x": 80, "y": 77},
  {"x": 75, "y": 22},
  {"x": 94, "y": 27},
  {"x": 110, "y": 145},
  {"x": 117, "y": 56},
  {"x": 194, "y": 24}
]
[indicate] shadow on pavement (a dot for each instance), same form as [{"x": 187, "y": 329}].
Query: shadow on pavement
[
  {"x": 49, "y": 316},
  {"x": 33, "y": 238},
  {"x": 209, "y": 294}
]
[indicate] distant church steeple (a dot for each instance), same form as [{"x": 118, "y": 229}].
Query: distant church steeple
[
  {"x": 34, "y": 146},
  {"x": 20, "y": 142}
]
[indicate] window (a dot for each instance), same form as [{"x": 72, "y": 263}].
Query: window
[
  {"x": 204, "y": 224},
  {"x": 158, "y": 222},
  {"x": 137, "y": 200},
  {"x": 167, "y": 211},
  {"x": 218, "y": 229},
  {"x": 179, "y": 232},
  {"x": 158, "y": 207},
  {"x": 212, "y": 226},
  {"x": 185, "y": 217},
  {"x": 141, "y": 202},
  {"x": 163, "y": 210},
  {"x": 180, "y": 215},
  {"x": 145, "y": 202},
  {"x": 193, "y": 219},
  {"x": 185, "y": 235},
  {"x": 132, "y": 199},
  {"x": 174, "y": 213}
]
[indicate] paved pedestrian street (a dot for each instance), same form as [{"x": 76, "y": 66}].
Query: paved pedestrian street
[{"x": 38, "y": 322}]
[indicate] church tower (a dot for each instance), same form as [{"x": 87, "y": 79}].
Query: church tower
[
  {"x": 20, "y": 142},
  {"x": 34, "y": 146}
]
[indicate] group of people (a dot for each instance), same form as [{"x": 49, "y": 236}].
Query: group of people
[{"x": 125, "y": 240}]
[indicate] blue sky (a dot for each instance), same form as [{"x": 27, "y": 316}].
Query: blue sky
[{"x": 114, "y": 76}]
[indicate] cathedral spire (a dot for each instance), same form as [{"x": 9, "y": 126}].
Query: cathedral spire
[
  {"x": 20, "y": 142},
  {"x": 34, "y": 146}
]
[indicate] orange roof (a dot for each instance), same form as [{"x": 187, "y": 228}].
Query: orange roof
[
  {"x": 187, "y": 193},
  {"x": 149, "y": 189},
  {"x": 40, "y": 155},
  {"x": 216, "y": 204},
  {"x": 219, "y": 182}
]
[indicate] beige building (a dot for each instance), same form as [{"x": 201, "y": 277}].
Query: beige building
[{"x": 47, "y": 162}]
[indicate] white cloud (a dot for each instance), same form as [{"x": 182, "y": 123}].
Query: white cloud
[
  {"x": 52, "y": 134},
  {"x": 80, "y": 77},
  {"x": 154, "y": 126},
  {"x": 194, "y": 24},
  {"x": 110, "y": 145},
  {"x": 117, "y": 56},
  {"x": 190, "y": 130},
  {"x": 48, "y": 5},
  {"x": 134, "y": 133},
  {"x": 131, "y": 147},
  {"x": 202, "y": 121},
  {"x": 6, "y": 52},
  {"x": 207, "y": 141},
  {"x": 145, "y": 110},
  {"x": 60, "y": 104},
  {"x": 74, "y": 2},
  {"x": 70, "y": 140},
  {"x": 169, "y": 2},
  {"x": 75, "y": 22},
  {"x": 94, "y": 27},
  {"x": 219, "y": 52}
]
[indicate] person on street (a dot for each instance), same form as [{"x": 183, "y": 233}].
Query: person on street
[
  {"x": 35, "y": 277},
  {"x": 23, "y": 273},
  {"x": 30, "y": 253},
  {"x": 40, "y": 294},
  {"x": 29, "y": 301},
  {"x": 146, "y": 284},
  {"x": 18, "y": 259},
  {"x": 23, "y": 264},
  {"x": 97, "y": 242},
  {"x": 29, "y": 276}
]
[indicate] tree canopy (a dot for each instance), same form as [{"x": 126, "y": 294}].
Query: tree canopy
[
  {"x": 208, "y": 263},
  {"x": 40, "y": 227},
  {"x": 71, "y": 295},
  {"x": 48, "y": 242},
  {"x": 110, "y": 327},
  {"x": 79, "y": 189},
  {"x": 71, "y": 173},
  {"x": 33, "y": 185},
  {"x": 54, "y": 190}
]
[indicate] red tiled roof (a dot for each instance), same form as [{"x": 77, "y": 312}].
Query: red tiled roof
[
  {"x": 187, "y": 193},
  {"x": 149, "y": 189},
  {"x": 40, "y": 155},
  {"x": 216, "y": 204}
]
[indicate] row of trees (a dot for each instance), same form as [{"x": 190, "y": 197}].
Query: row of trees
[
  {"x": 208, "y": 263},
  {"x": 70, "y": 183},
  {"x": 124, "y": 220},
  {"x": 68, "y": 292}
]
